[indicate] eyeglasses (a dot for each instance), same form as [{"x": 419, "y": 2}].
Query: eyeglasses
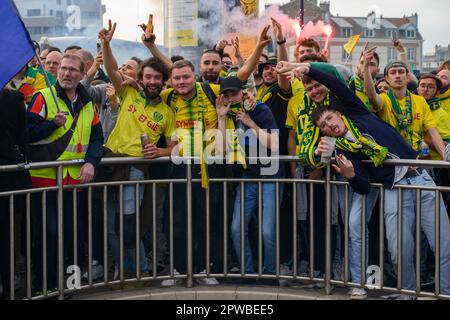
[{"x": 70, "y": 70}]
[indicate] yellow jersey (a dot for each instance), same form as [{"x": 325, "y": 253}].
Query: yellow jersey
[
  {"x": 193, "y": 118},
  {"x": 445, "y": 101},
  {"x": 420, "y": 119},
  {"x": 137, "y": 116}
]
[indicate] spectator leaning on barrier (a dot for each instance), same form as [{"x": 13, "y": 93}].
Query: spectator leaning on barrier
[
  {"x": 70, "y": 133},
  {"x": 360, "y": 135}
]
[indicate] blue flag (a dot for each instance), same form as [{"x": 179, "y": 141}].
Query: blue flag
[{"x": 18, "y": 48}]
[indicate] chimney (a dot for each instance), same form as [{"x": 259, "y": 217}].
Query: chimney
[
  {"x": 325, "y": 10},
  {"x": 414, "y": 19}
]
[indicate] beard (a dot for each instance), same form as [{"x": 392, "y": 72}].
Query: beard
[
  {"x": 211, "y": 77},
  {"x": 152, "y": 92}
]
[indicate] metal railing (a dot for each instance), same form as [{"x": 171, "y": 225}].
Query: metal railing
[{"x": 190, "y": 181}]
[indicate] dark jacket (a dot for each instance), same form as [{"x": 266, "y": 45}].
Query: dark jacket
[
  {"x": 13, "y": 139},
  {"x": 370, "y": 126}
]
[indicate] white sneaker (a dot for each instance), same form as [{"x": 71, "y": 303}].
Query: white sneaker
[
  {"x": 97, "y": 271},
  {"x": 405, "y": 297},
  {"x": 207, "y": 281},
  {"x": 358, "y": 294},
  {"x": 172, "y": 282}
]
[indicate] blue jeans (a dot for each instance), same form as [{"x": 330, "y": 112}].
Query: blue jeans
[
  {"x": 428, "y": 226},
  {"x": 355, "y": 227},
  {"x": 129, "y": 209},
  {"x": 268, "y": 223}
]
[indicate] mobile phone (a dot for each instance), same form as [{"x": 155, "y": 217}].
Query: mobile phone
[{"x": 99, "y": 47}]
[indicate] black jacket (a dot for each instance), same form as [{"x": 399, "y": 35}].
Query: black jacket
[{"x": 13, "y": 139}]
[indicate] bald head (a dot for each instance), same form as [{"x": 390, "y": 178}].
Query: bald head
[
  {"x": 52, "y": 62},
  {"x": 87, "y": 57}
]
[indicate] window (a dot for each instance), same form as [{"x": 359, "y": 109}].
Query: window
[
  {"x": 34, "y": 30},
  {"x": 346, "y": 32},
  {"x": 369, "y": 33},
  {"x": 411, "y": 54},
  {"x": 392, "y": 54},
  {"x": 46, "y": 30},
  {"x": 51, "y": 12},
  {"x": 388, "y": 33},
  {"x": 410, "y": 33},
  {"x": 33, "y": 12},
  {"x": 346, "y": 56},
  {"x": 58, "y": 2},
  {"x": 89, "y": 15}
]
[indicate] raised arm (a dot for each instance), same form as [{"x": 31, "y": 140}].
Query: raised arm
[
  {"x": 148, "y": 39},
  {"x": 372, "y": 95},
  {"x": 105, "y": 36},
  {"x": 251, "y": 63},
  {"x": 403, "y": 57},
  {"x": 283, "y": 81}
]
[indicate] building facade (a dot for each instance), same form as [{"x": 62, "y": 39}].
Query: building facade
[
  {"x": 379, "y": 31},
  {"x": 61, "y": 17}
]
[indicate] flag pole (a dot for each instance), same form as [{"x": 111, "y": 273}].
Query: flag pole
[{"x": 47, "y": 82}]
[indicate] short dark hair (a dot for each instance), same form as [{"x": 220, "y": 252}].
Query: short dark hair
[
  {"x": 51, "y": 49},
  {"x": 307, "y": 79},
  {"x": 156, "y": 65},
  {"x": 308, "y": 42},
  {"x": 375, "y": 55},
  {"x": 211, "y": 51},
  {"x": 181, "y": 64},
  {"x": 139, "y": 61},
  {"x": 438, "y": 81},
  {"x": 226, "y": 55},
  {"x": 176, "y": 58},
  {"x": 74, "y": 47},
  {"x": 319, "y": 111}
]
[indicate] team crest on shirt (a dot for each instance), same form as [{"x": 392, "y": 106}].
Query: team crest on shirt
[{"x": 157, "y": 116}]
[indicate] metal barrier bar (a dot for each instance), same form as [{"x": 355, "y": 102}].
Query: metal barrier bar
[
  {"x": 11, "y": 249},
  {"x": 190, "y": 279},
  {"x": 328, "y": 260},
  {"x": 105, "y": 234},
  {"x": 418, "y": 240},
  {"x": 121, "y": 253},
  {"x": 242, "y": 230},
  {"x": 208, "y": 233},
  {"x": 399, "y": 240},
  {"x": 294, "y": 230},
  {"x": 346, "y": 234},
  {"x": 277, "y": 228},
  {"x": 28, "y": 245},
  {"x": 171, "y": 229},
  {"x": 260, "y": 230},
  {"x": 225, "y": 229},
  {"x": 90, "y": 260},
  {"x": 363, "y": 238},
  {"x": 44, "y": 242},
  {"x": 75, "y": 226},
  {"x": 60, "y": 198},
  {"x": 311, "y": 231},
  {"x": 154, "y": 248},
  {"x": 59, "y": 177},
  {"x": 437, "y": 243},
  {"x": 137, "y": 204},
  {"x": 381, "y": 240}
]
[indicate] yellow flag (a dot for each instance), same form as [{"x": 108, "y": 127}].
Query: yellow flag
[{"x": 351, "y": 43}]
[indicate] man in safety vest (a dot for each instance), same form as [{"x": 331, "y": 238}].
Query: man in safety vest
[{"x": 48, "y": 123}]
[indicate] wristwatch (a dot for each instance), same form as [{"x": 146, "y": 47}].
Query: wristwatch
[{"x": 282, "y": 41}]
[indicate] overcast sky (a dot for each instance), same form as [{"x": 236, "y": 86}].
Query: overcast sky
[{"x": 434, "y": 22}]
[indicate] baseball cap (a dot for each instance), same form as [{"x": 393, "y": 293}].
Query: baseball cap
[{"x": 231, "y": 83}]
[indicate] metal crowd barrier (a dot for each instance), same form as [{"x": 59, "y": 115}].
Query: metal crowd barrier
[{"x": 189, "y": 181}]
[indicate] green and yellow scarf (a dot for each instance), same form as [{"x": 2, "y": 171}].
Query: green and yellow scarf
[{"x": 363, "y": 145}]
